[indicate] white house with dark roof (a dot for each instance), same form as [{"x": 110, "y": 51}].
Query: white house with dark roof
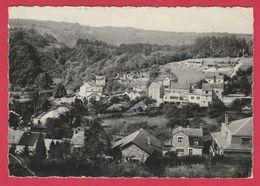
[
  {"x": 156, "y": 92},
  {"x": 187, "y": 141},
  {"x": 234, "y": 137},
  {"x": 215, "y": 79},
  {"x": 91, "y": 90},
  {"x": 138, "y": 145},
  {"x": 78, "y": 138}
]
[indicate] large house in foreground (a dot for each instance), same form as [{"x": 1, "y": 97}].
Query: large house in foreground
[
  {"x": 234, "y": 137},
  {"x": 187, "y": 141},
  {"x": 138, "y": 145}
]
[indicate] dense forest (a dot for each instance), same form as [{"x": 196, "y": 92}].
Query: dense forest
[{"x": 33, "y": 56}]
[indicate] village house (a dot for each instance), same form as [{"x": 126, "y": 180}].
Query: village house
[
  {"x": 138, "y": 145},
  {"x": 234, "y": 137},
  {"x": 180, "y": 88},
  {"x": 91, "y": 90},
  {"x": 215, "y": 79},
  {"x": 187, "y": 141},
  {"x": 78, "y": 138},
  {"x": 216, "y": 89},
  {"x": 166, "y": 78},
  {"x": 21, "y": 139},
  {"x": 156, "y": 92},
  {"x": 201, "y": 97},
  {"x": 175, "y": 98}
]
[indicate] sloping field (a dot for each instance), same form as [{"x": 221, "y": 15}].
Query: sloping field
[{"x": 195, "y": 74}]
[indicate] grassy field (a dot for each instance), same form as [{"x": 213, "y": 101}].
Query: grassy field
[{"x": 158, "y": 120}]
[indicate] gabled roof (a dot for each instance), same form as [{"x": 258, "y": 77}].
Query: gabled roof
[
  {"x": 141, "y": 138},
  {"x": 78, "y": 138},
  {"x": 47, "y": 143},
  {"x": 196, "y": 132},
  {"x": 180, "y": 86},
  {"x": 29, "y": 138},
  {"x": 241, "y": 127},
  {"x": 14, "y": 136}
]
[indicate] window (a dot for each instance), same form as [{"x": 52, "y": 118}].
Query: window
[
  {"x": 246, "y": 141},
  {"x": 216, "y": 91},
  {"x": 196, "y": 142},
  {"x": 226, "y": 135},
  {"x": 179, "y": 152},
  {"x": 198, "y": 97},
  {"x": 180, "y": 139},
  {"x": 192, "y": 97},
  {"x": 190, "y": 151}
]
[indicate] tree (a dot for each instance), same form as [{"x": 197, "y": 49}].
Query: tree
[
  {"x": 59, "y": 91},
  {"x": 52, "y": 150},
  {"x": 216, "y": 108},
  {"x": 43, "y": 80},
  {"x": 154, "y": 72},
  {"x": 173, "y": 123},
  {"x": 125, "y": 98},
  {"x": 237, "y": 104},
  {"x": 115, "y": 100},
  {"x": 149, "y": 101},
  {"x": 40, "y": 150},
  {"x": 97, "y": 142}
]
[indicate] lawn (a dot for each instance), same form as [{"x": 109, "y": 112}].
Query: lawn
[{"x": 157, "y": 120}]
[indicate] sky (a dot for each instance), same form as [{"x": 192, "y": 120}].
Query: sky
[{"x": 177, "y": 19}]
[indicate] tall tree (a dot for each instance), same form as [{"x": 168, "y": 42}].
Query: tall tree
[{"x": 40, "y": 150}]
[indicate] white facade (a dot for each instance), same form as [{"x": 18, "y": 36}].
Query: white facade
[
  {"x": 89, "y": 90},
  {"x": 175, "y": 98},
  {"x": 156, "y": 92}
]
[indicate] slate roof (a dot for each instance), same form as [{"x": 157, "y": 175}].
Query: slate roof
[
  {"x": 140, "y": 138},
  {"x": 29, "y": 138},
  {"x": 241, "y": 127},
  {"x": 196, "y": 132},
  {"x": 226, "y": 146}
]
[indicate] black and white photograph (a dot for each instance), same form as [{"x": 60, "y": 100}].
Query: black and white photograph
[{"x": 136, "y": 92}]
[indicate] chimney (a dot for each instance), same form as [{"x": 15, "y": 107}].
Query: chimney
[
  {"x": 188, "y": 126},
  {"x": 226, "y": 119},
  {"x": 201, "y": 127}
]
